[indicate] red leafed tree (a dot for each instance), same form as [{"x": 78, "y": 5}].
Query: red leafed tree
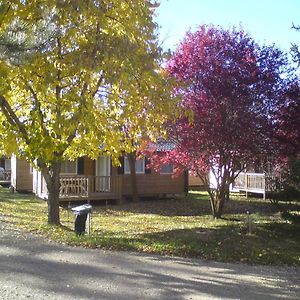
[
  {"x": 288, "y": 116},
  {"x": 288, "y": 131},
  {"x": 232, "y": 87},
  {"x": 288, "y": 122}
]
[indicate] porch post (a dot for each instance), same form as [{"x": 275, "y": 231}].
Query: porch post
[
  {"x": 246, "y": 185},
  {"x": 264, "y": 186},
  {"x": 89, "y": 183}
]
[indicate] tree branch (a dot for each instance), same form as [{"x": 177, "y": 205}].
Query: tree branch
[
  {"x": 98, "y": 84},
  {"x": 38, "y": 108},
  {"x": 12, "y": 118},
  {"x": 77, "y": 115}
]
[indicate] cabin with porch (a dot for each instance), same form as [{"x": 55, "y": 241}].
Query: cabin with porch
[{"x": 85, "y": 179}]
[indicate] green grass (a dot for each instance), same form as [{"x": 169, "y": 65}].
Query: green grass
[{"x": 180, "y": 227}]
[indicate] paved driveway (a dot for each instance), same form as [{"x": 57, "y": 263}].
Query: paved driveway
[{"x": 32, "y": 268}]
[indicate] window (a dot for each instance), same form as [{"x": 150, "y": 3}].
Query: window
[
  {"x": 139, "y": 166},
  {"x": 69, "y": 167},
  {"x": 166, "y": 169},
  {"x": 8, "y": 164}
]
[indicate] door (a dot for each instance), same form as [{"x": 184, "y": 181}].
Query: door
[{"x": 103, "y": 181}]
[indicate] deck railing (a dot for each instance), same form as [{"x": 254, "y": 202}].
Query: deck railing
[
  {"x": 106, "y": 184},
  {"x": 259, "y": 183},
  {"x": 81, "y": 186},
  {"x": 102, "y": 184},
  {"x": 250, "y": 181},
  {"x": 74, "y": 186},
  {"x": 5, "y": 175}
]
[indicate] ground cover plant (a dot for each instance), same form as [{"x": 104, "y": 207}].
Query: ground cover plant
[{"x": 180, "y": 227}]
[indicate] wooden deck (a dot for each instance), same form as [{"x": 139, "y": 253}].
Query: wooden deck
[
  {"x": 87, "y": 188},
  {"x": 257, "y": 183},
  {"x": 5, "y": 177}
]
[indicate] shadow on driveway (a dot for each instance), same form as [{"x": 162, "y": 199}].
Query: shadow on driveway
[{"x": 37, "y": 269}]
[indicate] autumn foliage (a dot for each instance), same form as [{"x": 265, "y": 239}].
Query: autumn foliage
[
  {"x": 231, "y": 87},
  {"x": 287, "y": 136},
  {"x": 74, "y": 74},
  {"x": 288, "y": 121}
]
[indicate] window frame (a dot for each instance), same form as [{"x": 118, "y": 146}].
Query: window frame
[
  {"x": 7, "y": 164},
  {"x": 167, "y": 173},
  {"x": 127, "y": 168},
  {"x": 76, "y": 167}
]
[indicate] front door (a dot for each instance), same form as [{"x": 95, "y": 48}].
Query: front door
[{"x": 102, "y": 183}]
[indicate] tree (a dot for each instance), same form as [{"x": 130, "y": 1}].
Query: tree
[
  {"x": 231, "y": 87},
  {"x": 288, "y": 132},
  {"x": 94, "y": 71},
  {"x": 288, "y": 121},
  {"x": 289, "y": 114},
  {"x": 133, "y": 180},
  {"x": 295, "y": 48}
]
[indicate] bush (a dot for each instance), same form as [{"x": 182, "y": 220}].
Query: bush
[
  {"x": 287, "y": 186},
  {"x": 292, "y": 217}
]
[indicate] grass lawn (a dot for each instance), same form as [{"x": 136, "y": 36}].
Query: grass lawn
[{"x": 181, "y": 227}]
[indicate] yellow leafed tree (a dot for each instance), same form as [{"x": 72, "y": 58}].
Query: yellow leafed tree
[{"x": 74, "y": 75}]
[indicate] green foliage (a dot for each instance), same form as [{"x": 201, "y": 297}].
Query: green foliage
[
  {"x": 292, "y": 175},
  {"x": 88, "y": 82},
  {"x": 292, "y": 217},
  {"x": 181, "y": 227},
  {"x": 289, "y": 182},
  {"x": 92, "y": 73},
  {"x": 295, "y": 48}
]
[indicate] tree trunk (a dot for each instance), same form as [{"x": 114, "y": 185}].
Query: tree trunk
[
  {"x": 212, "y": 203},
  {"x": 217, "y": 200},
  {"x": 53, "y": 185},
  {"x": 220, "y": 195},
  {"x": 134, "y": 190},
  {"x": 220, "y": 200},
  {"x": 227, "y": 194}
]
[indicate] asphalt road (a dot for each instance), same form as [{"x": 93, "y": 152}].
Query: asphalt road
[{"x": 33, "y": 268}]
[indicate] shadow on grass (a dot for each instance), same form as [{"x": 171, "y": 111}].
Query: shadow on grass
[
  {"x": 223, "y": 240},
  {"x": 17, "y": 198},
  {"x": 192, "y": 205},
  {"x": 166, "y": 207},
  {"x": 274, "y": 243}
]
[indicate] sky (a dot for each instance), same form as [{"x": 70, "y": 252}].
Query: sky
[{"x": 267, "y": 21}]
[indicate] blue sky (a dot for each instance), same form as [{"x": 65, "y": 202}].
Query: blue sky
[{"x": 267, "y": 21}]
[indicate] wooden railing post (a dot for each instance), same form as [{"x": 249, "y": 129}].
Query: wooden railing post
[
  {"x": 264, "y": 186},
  {"x": 88, "y": 183},
  {"x": 246, "y": 184}
]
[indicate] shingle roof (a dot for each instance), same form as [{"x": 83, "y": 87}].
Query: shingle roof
[
  {"x": 163, "y": 146},
  {"x": 167, "y": 146}
]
